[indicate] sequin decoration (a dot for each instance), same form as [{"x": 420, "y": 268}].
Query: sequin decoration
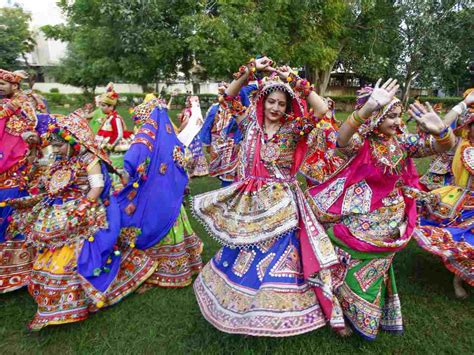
[
  {"x": 372, "y": 271},
  {"x": 263, "y": 265},
  {"x": 288, "y": 265},
  {"x": 330, "y": 194},
  {"x": 60, "y": 179},
  {"x": 357, "y": 198},
  {"x": 270, "y": 152},
  {"x": 468, "y": 159},
  {"x": 243, "y": 262}
]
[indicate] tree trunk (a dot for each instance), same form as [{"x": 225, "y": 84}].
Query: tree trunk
[
  {"x": 320, "y": 78},
  {"x": 406, "y": 88}
]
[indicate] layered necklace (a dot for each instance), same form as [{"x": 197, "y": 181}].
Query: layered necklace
[
  {"x": 270, "y": 149},
  {"x": 387, "y": 153}
]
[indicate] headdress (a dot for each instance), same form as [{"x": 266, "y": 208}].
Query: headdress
[
  {"x": 377, "y": 117},
  {"x": 13, "y": 77},
  {"x": 75, "y": 130},
  {"x": 272, "y": 83},
  {"x": 110, "y": 97},
  {"x": 142, "y": 112}
]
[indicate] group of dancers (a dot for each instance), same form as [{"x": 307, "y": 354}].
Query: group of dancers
[{"x": 103, "y": 216}]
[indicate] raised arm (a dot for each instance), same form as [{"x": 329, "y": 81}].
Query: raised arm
[
  {"x": 459, "y": 109},
  {"x": 242, "y": 76},
  {"x": 431, "y": 123},
  {"x": 168, "y": 106},
  {"x": 381, "y": 96},
  {"x": 303, "y": 86}
]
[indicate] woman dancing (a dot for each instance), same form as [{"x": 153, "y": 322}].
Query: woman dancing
[{"x": 368, "y": 206}]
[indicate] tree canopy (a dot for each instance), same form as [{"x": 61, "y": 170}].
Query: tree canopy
[
  {"x": 142, "y": 41},
  {"x": 15, "y": 37}
]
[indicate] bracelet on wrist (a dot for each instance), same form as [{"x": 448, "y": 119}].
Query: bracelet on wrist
[
  {"x": 444, "y": 137},
  {"x": 443, "y": 133},
  {"x": 351, "y": 122},
  {"x": 250, "y": 68},
  {"x": 357, "y": 118},
  {"x": 300, "y": 85}
]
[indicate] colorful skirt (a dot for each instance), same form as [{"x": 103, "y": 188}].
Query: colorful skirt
[
  {"x": 366, "y": 289},
  {"x": 16, "y": 261},
  {"x": 448, "y": 231},
  {"x": 196, "y": 163},
  {"x": 453, "y": 244},
  {"x": 178, "y": 256},
  {"x": 439, "y": 173},
  {"x": 259, "y": 291},
  {"x": 64, "y": 296}
]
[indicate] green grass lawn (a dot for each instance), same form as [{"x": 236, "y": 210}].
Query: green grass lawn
[{"x": 168, "y": 321}]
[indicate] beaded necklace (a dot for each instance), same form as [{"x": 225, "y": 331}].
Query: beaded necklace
[
  {"x": 270, "y": 149},
  {"x": 387, "y": 153},
  {"x": 62, "y": 175}
]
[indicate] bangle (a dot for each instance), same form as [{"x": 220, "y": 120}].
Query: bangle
[
  {"x": 351, "y": 122},
  {"x": 250, "y": 68},
  {"x": 460, "y": 108},
  {"x": 355, "y": 115},
  {"x": 443, "y": 133},
  {"x": 446, "y": 138},
  {"x": 302, "y": 86}
]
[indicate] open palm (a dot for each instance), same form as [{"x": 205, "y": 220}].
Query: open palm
[
  {"x": 427, "y": 118},
  {"x": 382, "y": 95}
]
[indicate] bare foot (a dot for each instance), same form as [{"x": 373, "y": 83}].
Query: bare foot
[
  {"x": 344, "y": 332},
  {"x": 459, "y": 291}
]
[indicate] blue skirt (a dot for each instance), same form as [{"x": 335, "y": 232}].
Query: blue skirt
[{"x": 259, "y": 290}]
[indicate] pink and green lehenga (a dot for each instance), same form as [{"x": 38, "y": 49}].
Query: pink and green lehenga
[{"x": 370, "y": 215}]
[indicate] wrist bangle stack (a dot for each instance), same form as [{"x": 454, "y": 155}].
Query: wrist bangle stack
[
  {"x": 445, "y": 136},
  {"x": 355, "y": 120},
  {"x": 249, "y": 68},
  {"x": 300, "y": 85}
]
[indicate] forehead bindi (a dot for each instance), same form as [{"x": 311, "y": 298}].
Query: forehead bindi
[{"x": 277, "y": 96}]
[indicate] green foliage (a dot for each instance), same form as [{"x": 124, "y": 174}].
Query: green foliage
[
  {"x": 143, "y": 41},
  {"x": 15, "y": 36},
  {"x": 55, "y": 98},
  {"x": 433, "y": 39},
  {"x": 373, "y": 46},
  {"x": 446, "y": 101},
  {"x": 307, "y": 34},
  {"x": 91, "y": 50},
  {"x": 135, "y": 41}
]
